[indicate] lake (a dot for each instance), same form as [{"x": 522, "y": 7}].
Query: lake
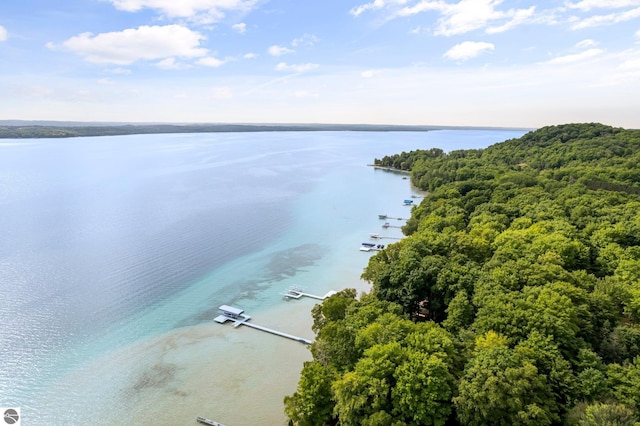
[{"x": 116, "y": 252}]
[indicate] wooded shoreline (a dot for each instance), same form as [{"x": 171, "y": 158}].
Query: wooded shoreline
[{"x": 47, "y": 129}]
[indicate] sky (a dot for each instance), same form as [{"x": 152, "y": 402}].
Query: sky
[{"x": 516, "y": 63}]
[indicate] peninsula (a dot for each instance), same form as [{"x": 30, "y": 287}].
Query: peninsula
[{"x": 18, "y": 129}]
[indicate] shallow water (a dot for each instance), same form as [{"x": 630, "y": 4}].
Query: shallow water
[{"x": 115, "y": 253}]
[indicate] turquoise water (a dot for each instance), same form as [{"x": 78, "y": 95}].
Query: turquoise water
[{"x": 115, "y": 253}]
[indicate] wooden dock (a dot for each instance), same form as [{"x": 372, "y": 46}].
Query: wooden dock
[
  {"x": 239, "y": 318},
  {"x": 388, "y": 225},
  {"x": 384, "y": 216},
  {"x": 381, "y": 237},
  {"x": 207, "y": 421},
  {"x": 278, "y": 333},
  {"x": 297, "y": 294}
]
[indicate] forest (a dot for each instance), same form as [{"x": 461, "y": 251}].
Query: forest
[{"x": 514, "y": 298}]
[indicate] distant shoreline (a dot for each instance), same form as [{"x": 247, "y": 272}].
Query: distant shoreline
[{"x": 16, "y": 129}]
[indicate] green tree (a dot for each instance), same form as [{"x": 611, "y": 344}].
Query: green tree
[
  {"x": 311, "y": 404},
  {"x": 423, "y": 390},
  {"x": 601, "y": 414},
  {"x": 501, "y": 386},
  {"x": 366, "y": 391}
]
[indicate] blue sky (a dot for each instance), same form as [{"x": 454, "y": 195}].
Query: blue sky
[{"x": 438, "y": 62}]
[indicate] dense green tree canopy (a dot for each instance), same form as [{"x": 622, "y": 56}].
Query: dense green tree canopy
[{"x": 513, "y": 299}]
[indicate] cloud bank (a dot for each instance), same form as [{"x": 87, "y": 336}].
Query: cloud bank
[{"x": 131, "y": 45}]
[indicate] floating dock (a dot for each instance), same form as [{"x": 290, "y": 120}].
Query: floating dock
[
  {"x": 207, "y": 421},
  {"x": 239, "y": 318},
  {"x": 388, "y": 225},
  {"x": 380, "y": 237},
  {"x": 371, "y": 247},
  {"x": 384, "y": 216},
  {"x": 294, "y": 293}
]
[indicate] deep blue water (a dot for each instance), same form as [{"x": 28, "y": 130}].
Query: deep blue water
[{"x": 108, "y": 241}]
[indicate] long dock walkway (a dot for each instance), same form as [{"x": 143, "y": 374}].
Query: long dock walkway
[
  {"x": 388, "y": 225},
  {"x": 207, "y": 421},
  {"x": 278, "y": 333},
  {"x": 297, "y": 294},
  {"x": 382, "y": 237},
  {"x": 384, "y": 216},
  {"x": 239, "y": 318}
]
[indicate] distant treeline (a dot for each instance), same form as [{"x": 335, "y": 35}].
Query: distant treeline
[{"x": 19, "y": 131}]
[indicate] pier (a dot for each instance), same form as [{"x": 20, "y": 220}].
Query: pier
[
  {"x": 239, "y": 318},
  {"x": 381, "y": 237},
  {"x": 294, "y": 293},
  {"x": 388, "y": 225},
  {"x": 384, "y": 216},
  {"x": 207, "y": 421},
  {"x": 279, "y": 333}
]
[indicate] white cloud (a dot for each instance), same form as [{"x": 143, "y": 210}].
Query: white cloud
[
  {"x": 240, "y": 28},
  {"x": 204, "y": 11},
  {"x": 105, "y": 81},
  {"x": 376, "y": 4},
  {"x": 210, "y": 61},
  {"x": 576, "y": 57},
  {"x": 250, "y": 55},
  {"x": 423, "y": 6},
  {"x": 3, "y": 33},
  {"x": 283, "y": 66},
  {"x": 418, "y": 30},
  {"x": 586, "y": 43},
  {"x": 587, "y": 5},
  {"x": 276, "y": 50},
  {"x": 307, "y": 39},
  {"x": 131, "y": 45},
  {"x": 517, "y": 17},
  {"x": 632, "y": 64},
  {"x": 610, "y": 19},
  {"x": 369, "y": 73},
  {"x": 467, "y": 50},
  {"x": 120, "y": 71},
  {"x": 169, "y": 64},
  {"x": 469, "y": 15}
]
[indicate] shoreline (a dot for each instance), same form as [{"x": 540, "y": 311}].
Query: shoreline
[
  {"x": 72, "y": 130},
  {"x": 25, "y": 129}
]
